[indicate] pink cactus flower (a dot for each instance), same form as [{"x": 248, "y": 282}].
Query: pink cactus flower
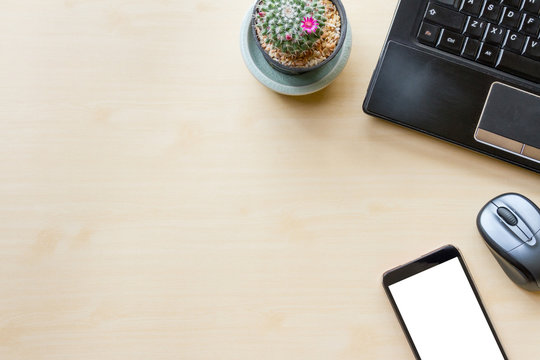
[
  {"x": 288, "y": 37},
  {"x": 310, "y": 25},
  {"x": 261, "y": 14}
]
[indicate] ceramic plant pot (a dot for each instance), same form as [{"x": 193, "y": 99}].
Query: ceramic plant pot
[{"x": 302, "y": 70}]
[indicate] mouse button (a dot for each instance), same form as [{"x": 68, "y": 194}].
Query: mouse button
[
  {"x": 523, "y": 227},
  {"x": 507, "y": 216},
  {"x": 490, "y": 206},
  {"x": 507, "y": 212},
  {"x": 523, "y": 208},
  {"x": 497, "y": 233},
  {"x": 498, "y": 202}
]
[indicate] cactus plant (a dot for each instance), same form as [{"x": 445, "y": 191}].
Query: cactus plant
[{"x": 293, "y": 26}]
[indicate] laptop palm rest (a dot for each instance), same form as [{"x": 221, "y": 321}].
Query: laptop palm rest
[
  {"x": 429, "y": 93},
  {"x": 510, "y": 121}
]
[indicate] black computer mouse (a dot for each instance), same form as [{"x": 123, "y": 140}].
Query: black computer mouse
[{"x": 510, "y": 225}]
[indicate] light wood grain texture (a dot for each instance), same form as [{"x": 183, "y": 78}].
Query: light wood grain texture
[{"x": 159, "y": 203}]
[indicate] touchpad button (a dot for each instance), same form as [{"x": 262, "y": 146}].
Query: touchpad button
[{"x": 511, "y": 121}]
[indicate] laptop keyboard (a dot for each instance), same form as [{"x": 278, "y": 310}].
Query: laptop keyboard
[{"x": 503, "y": 34}]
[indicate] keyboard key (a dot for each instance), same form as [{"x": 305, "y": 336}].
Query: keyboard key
[
  {"x": 451, "y": 42},
  {"x": 453, "y": 3},
  {"x": 511, "y": 18},
  {"x": 445, "y": 17},
  {"x": 513, "y": 3},
  {"x": 533, "y": 49},
  {"x": 514, "y": 42},
  {"x": 531, "y": 24},
  {"x": 488, "y": 54},
  {"x": 520, "y": 66},
  {"x": 429, "y": 34},
  {"x": 476, "y": 28},
  {"x": 473, "y": 7},
  {"x": 495, "y": 35},
  {"x": 492, "y": 11},
  {"x": 532, "y": 6},
  {"x": 471, "y": 49}
]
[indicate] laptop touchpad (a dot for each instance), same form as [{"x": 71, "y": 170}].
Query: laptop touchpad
[{"x": 511, "y": 121}]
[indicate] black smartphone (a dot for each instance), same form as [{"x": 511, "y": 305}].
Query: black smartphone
[{"x": 440, "y": 310}]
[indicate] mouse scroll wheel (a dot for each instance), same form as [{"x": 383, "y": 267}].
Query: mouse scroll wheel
[{"x": 507, "y": 216}]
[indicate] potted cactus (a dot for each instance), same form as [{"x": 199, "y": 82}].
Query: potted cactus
[{"x": 299, "y": 36}]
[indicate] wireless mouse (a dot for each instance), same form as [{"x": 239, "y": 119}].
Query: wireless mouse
[{"x": 510, "y": 225}]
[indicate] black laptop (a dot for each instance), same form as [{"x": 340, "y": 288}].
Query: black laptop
[{"x": 466, "y": 71}]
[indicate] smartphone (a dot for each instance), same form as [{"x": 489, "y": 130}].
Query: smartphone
[{"x": 440, "y": 310}]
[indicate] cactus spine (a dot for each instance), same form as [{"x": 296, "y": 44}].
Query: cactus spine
[{"x": 293, "y": 26}]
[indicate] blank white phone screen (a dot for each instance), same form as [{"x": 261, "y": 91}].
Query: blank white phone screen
[{"x": 443, "y": 316}]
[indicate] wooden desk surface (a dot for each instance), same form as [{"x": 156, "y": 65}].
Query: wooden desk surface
[{"x": 159, "y": 203}]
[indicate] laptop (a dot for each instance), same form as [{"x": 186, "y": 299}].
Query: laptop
[{"x": 466, "y": 71}]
